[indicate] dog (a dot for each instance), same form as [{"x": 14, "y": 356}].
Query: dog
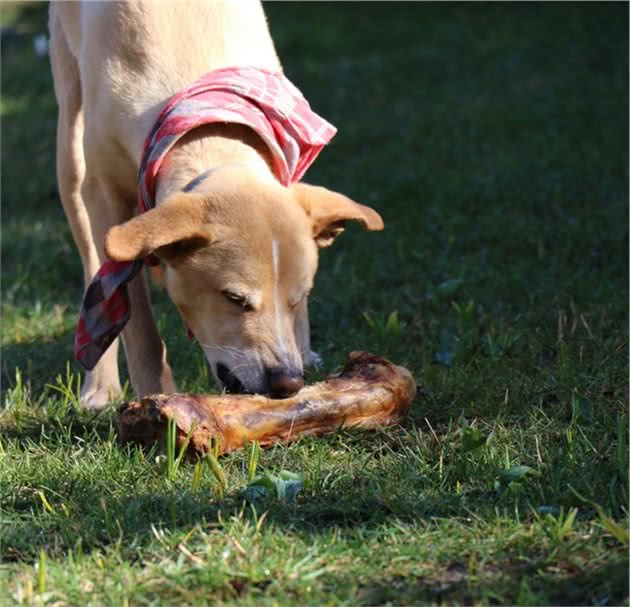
[{"x": 238, "y": 247}]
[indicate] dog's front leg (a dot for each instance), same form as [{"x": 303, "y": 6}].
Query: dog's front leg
[
  {"x": 81, "y": 199},
  {"x": 146, "y": 353},
  {"x": 86, "y": 206}
]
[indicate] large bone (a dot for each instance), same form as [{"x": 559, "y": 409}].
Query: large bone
[{"x": 370, "y": 392}]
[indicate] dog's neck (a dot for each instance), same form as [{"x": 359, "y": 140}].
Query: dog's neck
[{"x": 208, "y": 147}]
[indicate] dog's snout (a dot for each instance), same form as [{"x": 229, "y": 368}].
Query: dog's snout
[{"x": 284, "y": 382}]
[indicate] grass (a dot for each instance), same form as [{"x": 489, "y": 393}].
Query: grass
[{"x": 493, "y": 140}]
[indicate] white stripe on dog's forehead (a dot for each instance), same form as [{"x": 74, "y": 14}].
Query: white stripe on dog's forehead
[{"x": 276, "y": 255}]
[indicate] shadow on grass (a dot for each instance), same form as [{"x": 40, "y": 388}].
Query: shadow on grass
[
  {"x": 594, "y": 585},
  {"x": 100, "y": 520},
  {"x": 39, "y": 361}
]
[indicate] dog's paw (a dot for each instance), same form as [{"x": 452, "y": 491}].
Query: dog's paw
[{"x": 97, "y": 397}]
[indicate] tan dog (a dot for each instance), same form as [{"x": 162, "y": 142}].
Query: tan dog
[{"x": 240, "y": 251}]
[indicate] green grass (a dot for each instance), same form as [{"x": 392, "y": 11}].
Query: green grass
[{"x": 492, "y": 138}]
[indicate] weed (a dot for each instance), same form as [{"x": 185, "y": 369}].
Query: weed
[{"x": 218, "y": 473}]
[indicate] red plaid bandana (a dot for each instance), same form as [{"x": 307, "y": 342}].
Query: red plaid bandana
[{"x": 262, "y": 100}]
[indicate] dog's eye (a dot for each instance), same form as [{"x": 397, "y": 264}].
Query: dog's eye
[{"x": 238, "y": 300}]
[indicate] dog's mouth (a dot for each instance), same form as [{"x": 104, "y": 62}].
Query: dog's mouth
[{"x": 230, "y": 382}]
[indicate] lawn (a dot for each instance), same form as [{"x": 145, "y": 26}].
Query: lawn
[{"x": 493, "y": 140}]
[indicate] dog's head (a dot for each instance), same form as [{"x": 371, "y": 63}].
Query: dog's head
[{"x": 240, "y": 260}]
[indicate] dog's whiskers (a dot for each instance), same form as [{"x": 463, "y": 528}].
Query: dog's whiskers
[{"x": 228, "y": 349}]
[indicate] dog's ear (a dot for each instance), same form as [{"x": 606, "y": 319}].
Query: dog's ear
[
  {"x": 330, "y": 210},
  {"x": 170, "y": 230}
]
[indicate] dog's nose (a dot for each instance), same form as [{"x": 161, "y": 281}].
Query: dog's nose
[{"x": 284, "y": 382}]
